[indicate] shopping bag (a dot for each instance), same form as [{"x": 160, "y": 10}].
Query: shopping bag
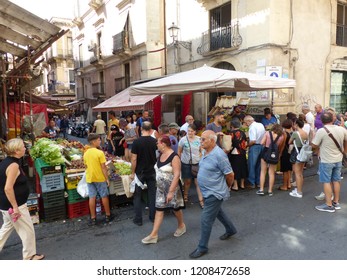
[
  {"x": 82, "y": 187},
  {"x": 226, "y": 142},
  {"x": 126, "y": 185}
]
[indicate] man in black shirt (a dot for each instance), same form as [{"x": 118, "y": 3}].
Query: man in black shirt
[{"x": 143, "y": 159}]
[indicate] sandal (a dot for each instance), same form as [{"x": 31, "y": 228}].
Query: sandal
[
  {"x": 37, "y": 257},
  {"x": 185, "y": 198},
  {"x": 201, "y": 202},
  {"x": 234, "y": 189}
]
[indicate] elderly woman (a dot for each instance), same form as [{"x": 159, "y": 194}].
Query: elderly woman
[
  {"x": 14, "y": 194},
  {"x": 190, "y": 153},
  {"x": 237, "y": 154},
  {"x": 169, "y": 194}
]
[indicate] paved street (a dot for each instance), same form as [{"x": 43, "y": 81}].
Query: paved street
[{"x": 278, "y": 227}]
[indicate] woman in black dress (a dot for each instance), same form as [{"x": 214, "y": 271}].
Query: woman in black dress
[
  {"x": 286, "y": 165},
  {"x": 237, "y": 155}
]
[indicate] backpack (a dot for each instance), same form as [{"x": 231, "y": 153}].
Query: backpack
[
  {"x": 305, "y": 154},
  {"x": 272, "y": 155}
]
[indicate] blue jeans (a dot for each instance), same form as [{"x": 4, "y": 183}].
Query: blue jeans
[
  {"x": 150, "y": 180},
  {"x": 212, "y": 210},
  {"x": 254, "y": 154}
]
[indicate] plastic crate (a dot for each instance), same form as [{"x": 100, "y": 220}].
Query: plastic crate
[
  {"x": 78, "y": 209},
  {"x": 116, "y": 187},
  {"x": 73, "y": 196},
  {"x": 43, "y": 168},
  {"x": 71, "y": 184},
  {"x": 52, "y": 182},
  {"x": 53, "y": 199},
  {"x": 33, "y": 200},
  {"x": 54, "y": 213}
]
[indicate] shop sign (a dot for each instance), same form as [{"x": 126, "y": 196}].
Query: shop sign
[{"x": 252, "y": 94}]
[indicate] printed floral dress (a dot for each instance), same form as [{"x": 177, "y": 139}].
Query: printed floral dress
[{"x": 164, "y": 172}]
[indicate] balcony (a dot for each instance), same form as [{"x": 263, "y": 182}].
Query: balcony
[
  {"x": 98, "y": 90},
  {"x": 96, "y": 58},
  {"x": 95, "y": 4},
  {"x": 53, "y": 54},
  {"x": 225, "y": 37},
  {"x": 121, "y": 44}
]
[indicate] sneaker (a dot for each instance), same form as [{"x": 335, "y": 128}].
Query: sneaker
[
  {"x": 336, "y": 205},
  {"x": 110, "y": 218},
  {"x": 92, "y": 222},
  {"x": 295, "y": 193},
  {"x": 321, "y": 196},
  {"x": 325, "y": 208},
  {"x": 260, "y": 192}
]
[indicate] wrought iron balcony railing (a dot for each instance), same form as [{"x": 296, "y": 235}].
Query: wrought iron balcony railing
[
  {"x": 224, "y": 37},
  {"x": 121, "y": 42}
]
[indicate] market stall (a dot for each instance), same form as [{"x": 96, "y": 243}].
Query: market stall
[{"x": 59, "y": 169}]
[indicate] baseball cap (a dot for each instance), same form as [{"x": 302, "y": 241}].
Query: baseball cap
[{"x": 174, "y": 125}]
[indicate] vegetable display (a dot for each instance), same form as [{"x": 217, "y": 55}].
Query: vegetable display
[
  {"x": 122, "y": 168},
  {"x": 48, "y": 150}
]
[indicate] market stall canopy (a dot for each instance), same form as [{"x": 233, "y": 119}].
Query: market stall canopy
[
  {"x": 122, "y": 101},
  {"x": 211, "y": 79},
  {"x": 51, "y": 106},
  {"x": 22, "y": 32}
]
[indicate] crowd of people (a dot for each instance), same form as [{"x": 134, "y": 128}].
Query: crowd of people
[{"x": 167, "y": 161}]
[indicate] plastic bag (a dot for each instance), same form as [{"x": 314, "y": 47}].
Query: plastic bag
[
  {"x": 126, "y": 184},
  {"x": 82, "y": 187}
]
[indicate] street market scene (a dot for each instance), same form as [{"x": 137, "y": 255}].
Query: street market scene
[{"x": 130, "y": 133}]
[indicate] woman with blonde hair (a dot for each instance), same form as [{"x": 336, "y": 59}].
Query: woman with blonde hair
[{"x": 14, "y": 194}]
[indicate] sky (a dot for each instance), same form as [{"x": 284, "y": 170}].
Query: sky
[{"x": 47, "y": 9}]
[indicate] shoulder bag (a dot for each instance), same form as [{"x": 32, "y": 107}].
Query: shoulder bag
[
  {"x": 344, "y": 159},
  {"x": 194, "y": 168}
]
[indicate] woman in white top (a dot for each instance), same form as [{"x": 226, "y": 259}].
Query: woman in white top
[{"x": 189, "y": 151}]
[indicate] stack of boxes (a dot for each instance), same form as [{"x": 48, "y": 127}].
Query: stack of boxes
[
  {"x": 50, "y": 186},
  {"x": 33, "y": 207},
  {"x": 77, "y": 206}
]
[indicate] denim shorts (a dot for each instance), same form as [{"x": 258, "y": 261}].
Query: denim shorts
[
  {"x": 186, "y": 172},
  {"x": 130, "y": 146},
  {"x": 97, "y": 188},
  {"x": 330, "y": 172}
]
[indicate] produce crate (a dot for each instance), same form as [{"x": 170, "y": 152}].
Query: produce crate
[
  {"x": 78, "y": 209},
  {"x": 72, "y": 184},
  {"x": 33, "y": 200},
  {"x": 53, "y": 199},
  {"x": 34, "y": 214},
  {"x": 52, "y": 182},
  {"x": 54, "y": 213},
  {"x": 43, "y": 168},
  {"x": 116, "y": 187},
  {"x": 73, "y": 196}
]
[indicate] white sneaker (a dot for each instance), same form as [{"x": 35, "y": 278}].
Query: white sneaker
[
  {"x": 294, "y": 193},
  {"x": 321, "y": 196}
]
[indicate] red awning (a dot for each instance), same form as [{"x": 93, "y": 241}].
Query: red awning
[{"x": 122, "y": 101}]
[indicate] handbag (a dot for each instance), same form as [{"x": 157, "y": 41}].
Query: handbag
[
  {"x": 194, "y": 168},
  {"x": 344, "y": 158}
]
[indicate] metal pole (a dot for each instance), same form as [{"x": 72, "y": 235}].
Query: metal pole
[{"x": 4, "y": 99}]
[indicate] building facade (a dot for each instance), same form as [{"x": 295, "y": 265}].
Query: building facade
[{"x": 119, "y": 42}]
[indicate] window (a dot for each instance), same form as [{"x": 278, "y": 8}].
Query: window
[
  {"x": 80, "y": 55},
  {"x": 338, "y": 91},
  {"x": 127, "y": 75},
  {"x": 341, "y": 25},
  {"x": 220, "y": 27}
]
